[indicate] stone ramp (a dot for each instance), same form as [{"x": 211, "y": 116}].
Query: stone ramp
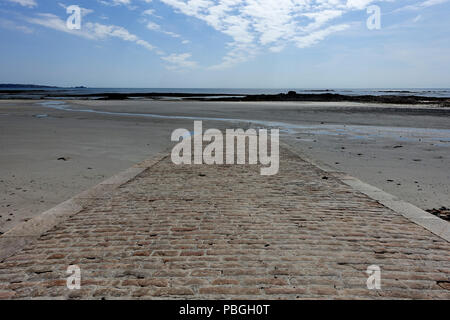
[{"x": 226, "y": 232}]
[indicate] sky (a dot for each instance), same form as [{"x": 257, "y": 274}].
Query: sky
[{"x": 227, "y": 43}]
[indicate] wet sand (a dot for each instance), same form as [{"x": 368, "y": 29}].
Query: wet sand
[{"x": 404, "y": 150}]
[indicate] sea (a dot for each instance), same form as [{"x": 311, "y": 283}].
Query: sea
[{"x": 423, "y": 92}]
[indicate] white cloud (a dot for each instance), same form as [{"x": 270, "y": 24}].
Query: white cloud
[
  {"x": 179, "y": 61},
  {"x": 149, "y": 12},
  {"x": 238, "y": 53},
  {"x": 260, "y": 25},
  {"x": 153, "y": 26},
  {"x": 115, "y": 2},
  {"x": 156, "y": 27},
  {"x": 25, "y": 3},
  {"x": 84, "y": 11},
  {"x": 97, "y": 31},
  {"x": 417, "y": 18},
  {"x": 53, "y": 22},
  {"x": 422, "y": 5},
  {"x": 358, "y": 4},
  {"x": 11, "y": 25},
  {"x": 430, "y": 3},
  {"x": 93, "y": 31},
  {"x": 316, "y": 36}
]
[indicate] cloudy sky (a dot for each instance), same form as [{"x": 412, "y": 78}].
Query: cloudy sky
[{"x": 227, "y": 43}]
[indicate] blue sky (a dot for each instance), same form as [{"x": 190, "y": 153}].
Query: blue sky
[{"x": 226, "y": 43}]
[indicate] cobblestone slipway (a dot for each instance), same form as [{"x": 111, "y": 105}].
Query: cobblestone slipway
[{"x": 226, "y": 232}]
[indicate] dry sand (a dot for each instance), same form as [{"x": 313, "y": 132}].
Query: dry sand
[{"x": 402, "y": 150}]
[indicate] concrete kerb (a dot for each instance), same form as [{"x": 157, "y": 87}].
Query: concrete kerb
[
  {"x": 416, "y": 215},
  {"x": 21, "y": 235}
]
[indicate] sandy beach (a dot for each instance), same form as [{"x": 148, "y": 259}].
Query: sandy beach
[{"x": 52, "y": 151}]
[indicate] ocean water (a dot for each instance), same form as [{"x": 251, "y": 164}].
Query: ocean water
[{"x": 424, "y": 92}]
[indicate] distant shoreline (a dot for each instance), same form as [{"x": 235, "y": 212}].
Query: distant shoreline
[
  {"x": 33, "y": 86},
  {"x": 328, "y": 96}
]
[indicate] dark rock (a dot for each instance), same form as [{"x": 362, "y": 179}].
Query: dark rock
[{"x": 443, "y": 213}]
